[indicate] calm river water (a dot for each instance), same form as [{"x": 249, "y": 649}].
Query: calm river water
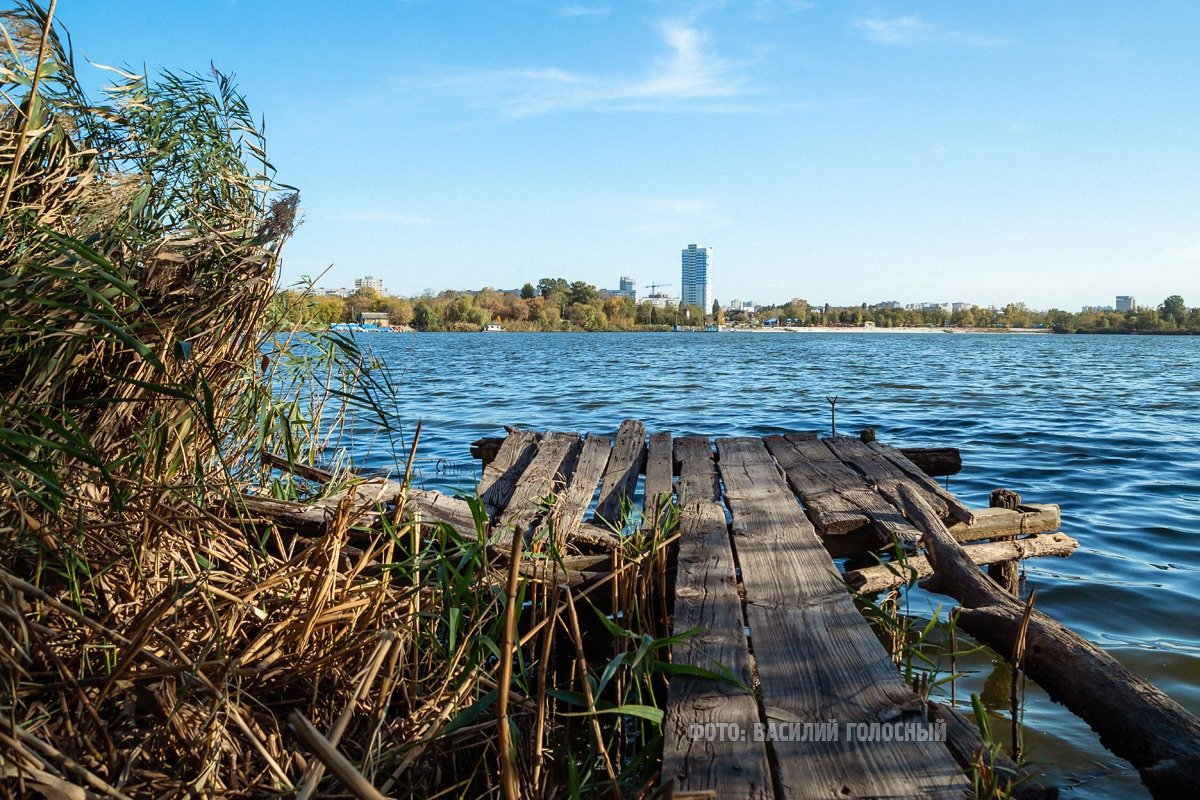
[{"x": 1106, "y": 426}]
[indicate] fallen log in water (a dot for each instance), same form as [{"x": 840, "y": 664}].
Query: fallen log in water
[
  {"x": 881, "y": 577},
  {"x": 1134, "y": 719},
  {"x": 935, "y": 462}
]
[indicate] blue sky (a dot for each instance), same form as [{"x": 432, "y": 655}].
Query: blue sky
[{"x": 838, "y": 151}]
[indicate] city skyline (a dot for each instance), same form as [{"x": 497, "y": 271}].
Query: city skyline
[
  {"x": 627, "y": 288},
  {"x": 826, "y": 150}
]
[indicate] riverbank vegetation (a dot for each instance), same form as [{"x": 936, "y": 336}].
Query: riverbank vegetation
[
  {"x": 159, "y": 639},
  {"x": 555, "y": 304}
]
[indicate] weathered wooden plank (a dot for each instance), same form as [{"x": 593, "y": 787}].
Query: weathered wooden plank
[
  {"x": 880, "y": 472},
  {"x": 817, "y": 658},
  {"x": 429, "y": 505},
  {"x": 992, "y": 523},
  {"x": 541, "y": 478},
  {"x": 878, "y": 578},
  {"x": 621, "y": 474},
  {"x": 838, "y": 499},
  {"x": 660, "y": 474},
  {"x": 955, "y": 506},
  {"x": 500, "y": 477},
  {"x": 706, "y": 597},
  {"x": 573, "y": 501}
]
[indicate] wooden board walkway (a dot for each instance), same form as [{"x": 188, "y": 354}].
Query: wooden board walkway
[{"x": 759, "y": 519}]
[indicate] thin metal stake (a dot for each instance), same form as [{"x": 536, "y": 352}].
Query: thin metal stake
[{"x": 832, "y": 413}]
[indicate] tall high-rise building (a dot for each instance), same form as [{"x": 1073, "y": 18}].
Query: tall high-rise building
[
  {"x": 1126, "y": 303},
  {"x": 697, "y": 277}
]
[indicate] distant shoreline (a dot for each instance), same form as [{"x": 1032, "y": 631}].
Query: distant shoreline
[
  {"x": 777, "y": 330},
  {"x": 903, "y": 329}
]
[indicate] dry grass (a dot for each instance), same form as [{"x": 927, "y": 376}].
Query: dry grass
[{"x": 158, "y": 640}]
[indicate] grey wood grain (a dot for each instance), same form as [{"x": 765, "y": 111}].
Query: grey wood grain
[
  {"x": 955, "y": 507},
  {"x": 817, "y": 658},
  {"x": 706, "y": 598},
  {"x": 882, "y": 473},
  {"x": 660, "y": 476},
  {"x": 541, "y": 478},
  {"x": 499, "y": 478},
  {"x": 573, "y": 501},
  {"x": 621, "y": 473},
  {"x": 838, "y": 498}
]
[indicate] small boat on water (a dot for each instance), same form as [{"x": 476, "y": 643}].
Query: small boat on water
[{"x": 493, "y": 328}]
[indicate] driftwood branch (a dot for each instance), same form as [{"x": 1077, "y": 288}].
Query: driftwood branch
[
  {"x": 880, "y": 578},
  {"x": 1134, "y": 719}
]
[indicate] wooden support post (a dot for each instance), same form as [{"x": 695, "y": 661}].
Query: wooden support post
[{"x": 1006, "y": 573}]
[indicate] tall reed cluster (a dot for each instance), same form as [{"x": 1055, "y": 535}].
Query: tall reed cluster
[{"x": 159, "y": 640}]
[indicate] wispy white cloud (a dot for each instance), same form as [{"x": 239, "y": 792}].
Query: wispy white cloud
[
  {"x": 576, "y": 10},
  {"x": 901, "y": 30},
  {"x": 687, "y": 76},
  {"x": 914, "y": 30}
]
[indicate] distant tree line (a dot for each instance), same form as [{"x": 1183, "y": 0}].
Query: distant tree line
[
  {"x": 555, "y": 304},
  {"x": 1172, "y": 316}
]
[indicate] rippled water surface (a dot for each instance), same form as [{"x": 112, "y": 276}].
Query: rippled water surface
[{"x": 1106, "y": 426}]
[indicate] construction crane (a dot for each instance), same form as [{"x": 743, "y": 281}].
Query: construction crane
[{"x": 654, "y": 286}]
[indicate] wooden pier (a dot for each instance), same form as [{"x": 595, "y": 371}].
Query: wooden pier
[
  {"x": 761, "y": 520},
  {"x": 816, "y": 706}
]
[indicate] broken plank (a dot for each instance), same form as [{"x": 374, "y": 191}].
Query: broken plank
[
  {"x": 838, "y": 499},
  {"x": 572, "y": 502},
  {"x": 435, "y": 506},
  {"x": 706, "y": 598},
  {"x": 500, "y": 477},
  {"x": 955, "y": 506},
  {"x": 621, "y": 473},
  {"x": 880, "y": 472},
  {"x": 879, "y": 578},
  {"x": 540, "y": 479},
  {"x": 817, "y": 658},
  {"x": 660, "y": 472}
]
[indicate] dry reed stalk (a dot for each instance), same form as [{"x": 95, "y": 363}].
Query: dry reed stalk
[
  {"x": 152, "y": 633},
  {"x": 508, "y": 767},
  {"x": 337, "y": 763},
  {"x": 539, "y": 733},
  {"x": 1018, "y": 671},
  {"x": 27, "y": 117},
  {"x": 315, "y": 770},
  {"x": 581, "y": 664}
]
